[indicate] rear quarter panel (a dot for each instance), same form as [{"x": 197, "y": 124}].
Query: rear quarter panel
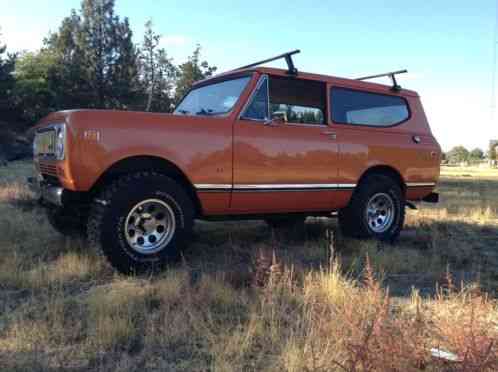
[{"x": 364, "y": 147}]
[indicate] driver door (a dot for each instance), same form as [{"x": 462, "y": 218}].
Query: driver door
[{"x": 280, "y": 166}]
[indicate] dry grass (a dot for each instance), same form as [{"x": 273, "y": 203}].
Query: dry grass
[{"x": 247, "y": 298}]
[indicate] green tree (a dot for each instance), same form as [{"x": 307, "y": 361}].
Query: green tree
[
  {"x": 7, "y": 63},
  {"x": 157, "y": 71},
  {"x": 492, "y": 155},
  {"x": 109, "y": 56},
  {"x": 124, "y": 71},
  {"x": 68, "y": 76},
  {"x": 96, "y": 62},
  {"x": 457, "y": 154},
  {"x": 192, "y": 71},
  {"x": 32, "y": 94},
  {"x": 476, "y": 154}
]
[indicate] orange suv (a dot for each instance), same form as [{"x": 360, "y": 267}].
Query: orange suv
[{"x": 254, "y": 142}]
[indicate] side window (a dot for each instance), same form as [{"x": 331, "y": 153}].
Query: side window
[
  {"x": 258, "y": 107},
  {"x": 364, "y": 108},
  {"x": 298, "y": 101},
  {"x": 289, "y": 99},
  {"x": 297, "y": 114}
]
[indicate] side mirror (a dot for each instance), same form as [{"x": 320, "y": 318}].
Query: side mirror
[
  {"x": 279, "y": 116},
  {"x": 275, "y": 121}
]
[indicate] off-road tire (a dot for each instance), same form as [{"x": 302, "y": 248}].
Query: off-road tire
[
  {"x": 353, "y": 219},
  {"x": 285, "y": 222},
  {"x": 108, "y": 212},
  {"x": 67, "y": 222}
]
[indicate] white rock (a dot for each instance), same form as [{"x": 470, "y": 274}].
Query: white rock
[{"x": 446, "y": 355}]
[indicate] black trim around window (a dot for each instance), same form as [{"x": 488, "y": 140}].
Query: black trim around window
[
  {"x": 262, "y": 79},
  {"x": 331, "y": 113},
  {"x": 265, "y": 78}
]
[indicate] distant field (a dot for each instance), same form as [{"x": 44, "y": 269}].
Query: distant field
[
  {"x": 249, "y": 298},
  {"x": 448, "y": 171}
]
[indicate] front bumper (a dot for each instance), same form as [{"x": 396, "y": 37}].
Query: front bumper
[{"x": 45, "y": 192}]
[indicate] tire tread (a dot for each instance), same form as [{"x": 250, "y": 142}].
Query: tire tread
[{"x": 99, "y": 208}]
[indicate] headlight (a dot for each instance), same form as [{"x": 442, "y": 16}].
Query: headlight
[
  {"x": 60, "y": 141},
  {"x": 50, "y": 142}
]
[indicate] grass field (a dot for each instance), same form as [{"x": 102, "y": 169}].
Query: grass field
[{"x": 249, "y": 298}]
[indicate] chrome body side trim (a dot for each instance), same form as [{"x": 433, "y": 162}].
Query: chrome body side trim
[
  {"x": 273, "y": 187},
  {"x": 293, "y": 186},
  {"x": 204, "y": 186},
  {"x": 420, "y": 184}
]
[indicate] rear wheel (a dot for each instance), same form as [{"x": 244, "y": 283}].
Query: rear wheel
[
  {"x": 141, "y": 222},
  {"x": 376, "y": 210}
]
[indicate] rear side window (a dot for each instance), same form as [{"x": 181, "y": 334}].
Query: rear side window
[{"x": 364, "y": 108}]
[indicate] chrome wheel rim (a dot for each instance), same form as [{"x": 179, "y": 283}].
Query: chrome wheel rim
[
  {"x": 380, "y": 212},
  {"x": 150, "y": 226}
]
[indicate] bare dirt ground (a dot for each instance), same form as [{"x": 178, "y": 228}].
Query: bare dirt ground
[{"x": 246, "y": 297}]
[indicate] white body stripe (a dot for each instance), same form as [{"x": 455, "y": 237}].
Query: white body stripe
[
  {"x": 418, "y": 184},
  {"x": 287, "y": 186},
  {"x": 248, "y": 187},
  {"x": 217, "y": 187},
  {"x": 211, "y": 186}
]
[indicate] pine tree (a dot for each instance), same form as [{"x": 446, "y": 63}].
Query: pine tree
[
  {"x": 158, "y": 72},
  {"x": 67, "y": 77},
  {"x": 124, "y": 72},
  {"x": 98, "y": 42},
  {"x": 109, "y": 56},
  {"x": 192, "y": 71},
  {"x": 7, "y": 64}
]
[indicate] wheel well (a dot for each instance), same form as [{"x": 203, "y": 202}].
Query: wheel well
[
  {"x": 149, "y": 163},
  {"x": 386, "y": 171}
]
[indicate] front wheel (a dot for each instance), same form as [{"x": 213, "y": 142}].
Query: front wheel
[
  {"x": 376, "y": 210},
  {"x": 141, "y": 222}
]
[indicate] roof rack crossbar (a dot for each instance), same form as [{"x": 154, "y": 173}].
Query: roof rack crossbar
[
  {"x": 291, "y": 69},
  {"x": 392, "y": 75}
]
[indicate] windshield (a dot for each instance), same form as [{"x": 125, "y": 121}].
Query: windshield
[{"x": 213, "y": 99}]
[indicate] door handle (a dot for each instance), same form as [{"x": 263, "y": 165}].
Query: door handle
[{"x": 332, "y": 135}]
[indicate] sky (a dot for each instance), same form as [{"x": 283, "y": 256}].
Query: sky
[{"x": 447, "y": 46}]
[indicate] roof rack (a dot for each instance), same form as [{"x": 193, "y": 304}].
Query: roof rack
[
  {"x": 396, "y": 87},
  {"x": 291, "y": 70}
]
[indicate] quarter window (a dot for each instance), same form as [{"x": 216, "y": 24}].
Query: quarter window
[
  {"x": 364, "y": 108},
  {"x": 258, "y": 109}
]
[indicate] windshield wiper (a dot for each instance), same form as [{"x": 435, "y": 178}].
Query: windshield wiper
[
  {"x": 208, "y": 112},
  {"x": 204, "y": 112}
]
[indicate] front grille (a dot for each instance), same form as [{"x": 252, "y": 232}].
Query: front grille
[{"x": 48, "y": 169}]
